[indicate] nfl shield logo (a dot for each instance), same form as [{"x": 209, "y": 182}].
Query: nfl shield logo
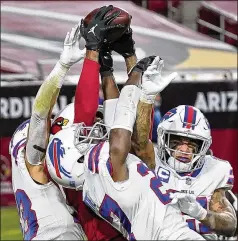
[{"x": 188, "y": 181}]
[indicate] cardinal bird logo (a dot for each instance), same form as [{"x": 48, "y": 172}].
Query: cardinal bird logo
[{"x": 58, "y": 124}]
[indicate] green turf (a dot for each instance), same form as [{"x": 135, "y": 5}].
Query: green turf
[{"x": 10, "y": 225}]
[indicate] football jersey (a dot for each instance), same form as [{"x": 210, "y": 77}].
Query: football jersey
[
  {"x": 214, "y": 174},
  {"x": 138, "y": 207},
  {"x": 42, "y": 208},
  {"x": 93, "y": 226}
]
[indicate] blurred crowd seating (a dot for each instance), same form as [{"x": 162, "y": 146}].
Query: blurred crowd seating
[
  {"x": 218, "y": 21},
  {"x": 159, "y": 6},
  {"x": 162, "y": 7},
  {"x": 212, "y": 21}
]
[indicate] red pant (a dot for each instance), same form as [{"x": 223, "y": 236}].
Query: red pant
[{"x": 94, "y": 227}]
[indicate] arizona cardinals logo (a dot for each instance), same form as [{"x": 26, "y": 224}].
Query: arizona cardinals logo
[
  {"x": 58, "y": 124},
  {"x": 56, "y": 152}
]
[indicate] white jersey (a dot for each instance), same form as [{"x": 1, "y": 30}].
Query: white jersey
[
  {"x": 214, "y": 174},
  {"x": 136, "y": 207},
  {"x": 42, "y": 208}
]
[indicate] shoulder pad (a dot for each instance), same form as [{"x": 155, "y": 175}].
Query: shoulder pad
[{"x": 20, "y": 135}]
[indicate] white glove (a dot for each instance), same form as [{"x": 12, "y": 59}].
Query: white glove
[
  {"x": 189, "y": 205},
  {"x": 152, "y": 81},
  {"x": 72, "y": 53}
]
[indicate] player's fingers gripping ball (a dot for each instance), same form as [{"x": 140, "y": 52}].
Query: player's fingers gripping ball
[{"x": 116, "y": 21}]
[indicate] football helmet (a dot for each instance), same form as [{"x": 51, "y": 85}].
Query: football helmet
[
  {"x": 183, "y": 122},
  {"x": 66, "y": 150},
  {"x": 63, "y": 160},
  {"x": 65, "y": 118}
]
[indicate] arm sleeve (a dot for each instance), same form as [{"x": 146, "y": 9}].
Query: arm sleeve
[
  {"x": 41, "y": 111},
  {"x": 109, "y": 108},
  {"x": 87, "y": 93}
]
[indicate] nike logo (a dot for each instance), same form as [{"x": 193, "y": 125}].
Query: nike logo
[{"x": 92, "y": 29}]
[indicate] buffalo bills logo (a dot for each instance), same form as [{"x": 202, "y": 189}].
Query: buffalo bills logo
[
  {"x": 169, "y": 114},
  {"x": 58, "y": 124},
  {"x": 56, "y": 153},
  {"x": 190, "y": 115}
]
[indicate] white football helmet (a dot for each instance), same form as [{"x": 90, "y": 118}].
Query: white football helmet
[
  {"x": 183, "y": 121},
  {"x": 65, "y": 118},
  {"x": 66, "y": 150}
]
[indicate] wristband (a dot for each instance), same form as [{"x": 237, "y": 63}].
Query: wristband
[{"x": 148, "y": 99}]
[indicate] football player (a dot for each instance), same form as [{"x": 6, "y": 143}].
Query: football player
[
  {"x": 118, "y": 186},
  {"x": 140, "y": 137},
  {"x": 41, "y": 206},
  {"x": 94, "y": 227},
  {"x": 84, "y": 110},
  {"x": 181, "y": 163}
]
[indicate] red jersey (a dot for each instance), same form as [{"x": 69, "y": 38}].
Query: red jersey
[{"x": 94, "y": 227}]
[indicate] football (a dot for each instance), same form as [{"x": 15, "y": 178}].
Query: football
[{"x": 123, "y": 18}]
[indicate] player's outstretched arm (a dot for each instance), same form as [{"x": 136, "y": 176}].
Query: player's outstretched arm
[
  {"x": 85, "y": 107},
  {"x": 124, "y": 119},
  {"x": 109, "y": 87},
  {"x": 142, "y": 146},
  {"x": 87, "y": 90},
  {"x": 122, "y": 128},
  {"x": 152, "y": 84},
  {"x": 45, "y": 99},
  {"x": 221, "y": 216},
  {"x": 125, "y": 47}
]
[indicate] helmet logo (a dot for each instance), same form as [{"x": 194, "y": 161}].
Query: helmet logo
[
  {"x": 56, "y": 152},
  {"x": 189, "y": 117},
  {"x": 169, "y": 114},
  {"x": 58, "y": 124}
]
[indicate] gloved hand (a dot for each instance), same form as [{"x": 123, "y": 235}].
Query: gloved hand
[
  {"x": 152, "y": 81},
  {"x": 105, "y": 60},
  {"x": 94, "y": 34},
  {"x": 71, "y": 53},
  {"x": 189, "y": 205},
  {"x": 142, "y": 65},
  {"x": 124, "y": 45}
]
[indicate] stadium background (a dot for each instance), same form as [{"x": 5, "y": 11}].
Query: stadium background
[{"x": 32, "y": 34}]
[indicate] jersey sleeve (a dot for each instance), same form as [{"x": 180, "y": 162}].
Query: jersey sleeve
[
  {"x": 109, "y": 108},
  {"x": 227, "y": 180},
  {"x": 87, "y": 93},
  {"x": 98, "y": 157},
  {"x": 18, "y": 140}
]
